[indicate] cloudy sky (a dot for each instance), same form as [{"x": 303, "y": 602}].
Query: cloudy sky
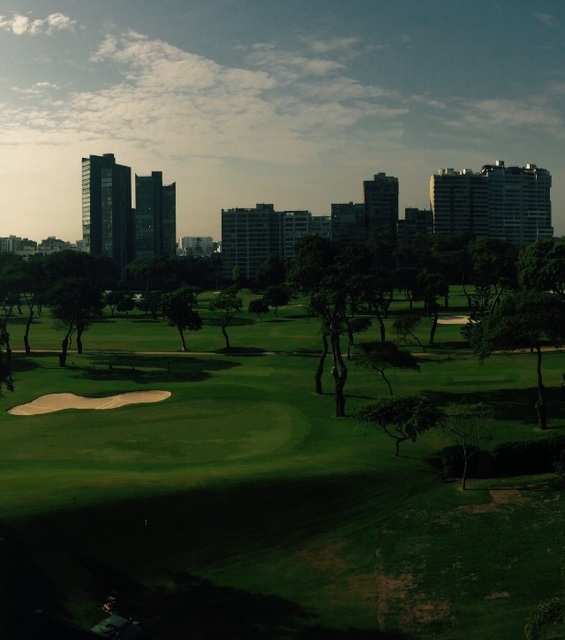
[{"x": 293, "y": 103}]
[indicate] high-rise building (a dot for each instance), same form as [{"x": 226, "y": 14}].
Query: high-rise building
[
  {"x": 250, "y": 236},
  {"x": 348, "y": 223},
  {"x": 519, "y": 202},
  {"x": 459, "y": 202},
  {"x": 512, "y": 203},
  {"x": 155, "y": 217},
  {"x": 381, "y": 202},
  {"x": 416, "y": 222},
  {"x": 107, "y": 219}
]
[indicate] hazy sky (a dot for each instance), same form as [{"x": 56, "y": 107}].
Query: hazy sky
[{"x": 293, "y": 103}]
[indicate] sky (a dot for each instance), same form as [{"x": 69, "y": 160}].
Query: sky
[{"x": 294, "y": 103}]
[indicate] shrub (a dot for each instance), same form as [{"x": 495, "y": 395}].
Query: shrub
[{"x": 527, "y": 456}]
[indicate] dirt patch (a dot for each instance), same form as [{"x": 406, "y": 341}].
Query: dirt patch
[
  {"x": 497, "y": 595},
  {"x": 509, "y": 496},
  {"x": 326, "y": 558},
  {"x": 489, "y": 507}
]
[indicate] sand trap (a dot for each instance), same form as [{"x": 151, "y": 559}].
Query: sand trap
[
  {"x": 453, "y": 319},
  {"x": 59, "y": 401}
]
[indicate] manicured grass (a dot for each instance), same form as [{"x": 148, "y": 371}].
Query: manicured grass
[{"x": 240, "y": 507}]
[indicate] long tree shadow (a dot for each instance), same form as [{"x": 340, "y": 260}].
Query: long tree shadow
[
  {"x": 510, "y": 404},
  {"x": 149, "y": 369}
]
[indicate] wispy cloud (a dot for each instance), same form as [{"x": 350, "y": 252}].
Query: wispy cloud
[
  {"x": 20, "y": 24},
  {"x": 545, "y": 18}
]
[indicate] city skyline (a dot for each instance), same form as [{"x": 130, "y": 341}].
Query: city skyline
[{"x": 293, "y": 103}]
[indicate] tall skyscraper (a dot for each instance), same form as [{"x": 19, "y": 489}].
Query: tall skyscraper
[
  {"x": 519, "y": 202},
  {"x": 512, "y": 203},
  {"x": 107, "y": 220},
  {"x": 459, "y": 202},
  {"x": 381, "y": 202},
  {"x": 155, "y": 217}
]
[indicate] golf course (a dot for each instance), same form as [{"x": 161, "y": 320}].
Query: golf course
[{"x": 233, "y": 504}]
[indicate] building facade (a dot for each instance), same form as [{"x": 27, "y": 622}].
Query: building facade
[
  {"x": 416, "y": 222},
  {"x": 107, "y": 217},
  {"x": 381, "y": 203},
  {"x": 348, "y": 223},
  {"x": 459, "y": 202},
  {"x": 155, "y": 217},
  {"x": 511, "y": 203},
  {"x": 519, "y": 202},
  {"x": 251, "y": 235}
]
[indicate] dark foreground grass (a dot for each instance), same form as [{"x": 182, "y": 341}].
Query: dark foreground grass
[{"x": 240, "y": 508}]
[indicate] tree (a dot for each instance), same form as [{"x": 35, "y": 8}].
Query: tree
[
  {"x": 271, "y": 272},
  {"x": 112, "y": 298},
  {"x": 152, "y": 273},
  {"x": 258, "y": 306},
  {"x": 227, "y": 304},
  {"x": 178, "y": 309},
  {"x": 323, "y": 270},
  {"x": 405, "y": 327},
  {"x": 466, "y": 424},
  {"x": 402, "y": 418},
  {"x": 528, "y": 320},
  {"x": 493, "y": 263},
  {"x": 378, "y": 356},
  {"x": 126, "y": 304},
  {"x": 275, "y": 296},
  {"x": 541, "y": 266},
  {"x": 74, "y": 302}
]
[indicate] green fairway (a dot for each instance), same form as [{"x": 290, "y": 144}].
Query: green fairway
[{"x": 241, "y": 508}]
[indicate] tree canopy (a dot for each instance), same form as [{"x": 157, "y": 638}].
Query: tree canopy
[{"x": 178, "y": 309}]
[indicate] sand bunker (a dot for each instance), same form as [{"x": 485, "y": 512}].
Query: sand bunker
[
  {"x": 447, "y": 319},
  {"x": 59, "y": 401}
]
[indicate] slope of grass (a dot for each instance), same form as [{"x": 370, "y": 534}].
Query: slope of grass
[{"x": 240, "y": 507}]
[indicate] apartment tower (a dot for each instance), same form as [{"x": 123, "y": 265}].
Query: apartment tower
[
  {"x": 155, "y": 217},
  {"x": 107, "y": 219}
]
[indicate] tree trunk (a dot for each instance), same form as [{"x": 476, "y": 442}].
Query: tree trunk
[
  {"x": 226, "y": 337},
  {"x": 386, "y": 380},
  {"x": 382, "y": 327},
  {"x": 541, "y": 405},
  {"x": 80, "y": 331},
  {"x": 26, "y": 333},
  {"x": 181, "y": 333},
  {"x": 339, "y": 373},
  {"x": 64, "y": 349},
  {"x": 435, "y": 318},
  {"x": 320, "y": 369}
]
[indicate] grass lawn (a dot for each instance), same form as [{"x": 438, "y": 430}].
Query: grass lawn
[{"x": 241, "y": 508}]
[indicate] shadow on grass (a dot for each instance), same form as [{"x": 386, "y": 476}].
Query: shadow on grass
[
  {"x": 510, "y": 404},
  {"x": 151, "y": 369},
  {"x": 135, "y": 548}
]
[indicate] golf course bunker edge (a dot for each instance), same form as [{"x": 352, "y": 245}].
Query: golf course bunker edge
[{"x": 59, "y": 401}]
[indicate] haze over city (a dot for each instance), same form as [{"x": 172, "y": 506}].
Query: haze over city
[{"x": 291, "y": 103}]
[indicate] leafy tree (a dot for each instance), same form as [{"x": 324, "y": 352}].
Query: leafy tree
[
  {"x": 227, "y": 304},
  {"x": 541, "y": 266},
  {"x": 178, "y": 308},
  {"x": 271, "y": 272},
  {"x": 74, "y": 302},
  {"x": 466, "y": 424},
  {"x": 493, "y": 263},
  {"x": 323, "y": 270},
  {"x": 101, "y": 271},
  {"x": 431, "y": 285},
  {"x": 380, "y": 356},
  {"x": 402, "y": 418},
  {"x": 112, "y": 298},
  {"x": 275, "y": 296},
  {"x": 258, "y": 306},
  {"x": 151, "y": 274},
  {"x": 527, "y": 320},
  {"x": 33, "y": 293},
  {"x": 405, "y": 327},
  {"x": 125, "y": 305}
]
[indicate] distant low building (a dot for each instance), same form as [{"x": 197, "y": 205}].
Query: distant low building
[{"x": 197, "y": 246}]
